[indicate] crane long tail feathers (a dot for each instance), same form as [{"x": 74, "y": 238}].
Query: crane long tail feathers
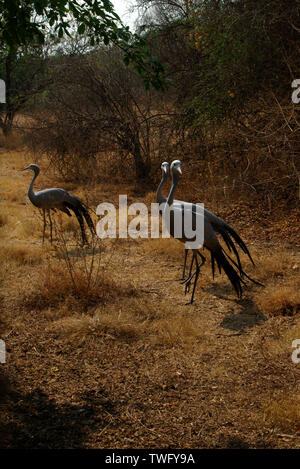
[
  {"x": 225, "y": 232},
  {"x": 75, "y": 202},
  {"x": 77, "y": 212},
  {"x": 88, "y": 219},
  {"x": 84, "y": 211},
  {"x": 233, "y": 276},
  {"x": 242, "y": 271}
]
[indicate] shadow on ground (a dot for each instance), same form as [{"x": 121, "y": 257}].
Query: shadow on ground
[
  {"x": 246, "y": 318},
  {"x": 248, "y": 315},
  {"x": 36, "y": 421}
]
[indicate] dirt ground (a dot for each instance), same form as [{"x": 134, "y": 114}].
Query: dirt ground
[{"x": 134, "y": 366}]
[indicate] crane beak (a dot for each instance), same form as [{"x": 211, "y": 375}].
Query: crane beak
[
  {"x": 24, "y": 169},
  {"x": 179, "y": 170}
]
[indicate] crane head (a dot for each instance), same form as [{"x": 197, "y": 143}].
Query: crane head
[
  {"x": 165, "y": 167},
  {"x": 34, "y": 168},
  {"x": 176, "y": 168}
]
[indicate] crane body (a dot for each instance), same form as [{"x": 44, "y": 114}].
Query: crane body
[
  {"x": 212, "y": 226},
  {"x": 58, "y": 199}
]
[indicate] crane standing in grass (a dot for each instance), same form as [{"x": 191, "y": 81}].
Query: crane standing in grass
[
  {"x": 160, "y": 199},
  {"x": 212, "y": 225},
  {"x": 229, "y": 235},
  {"x": 58, "y": 199}
]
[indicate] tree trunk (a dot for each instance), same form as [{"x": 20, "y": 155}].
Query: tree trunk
[{"x": 141, "y": 168}]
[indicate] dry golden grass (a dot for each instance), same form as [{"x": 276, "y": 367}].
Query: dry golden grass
[
  {"x": 134, "y": 313},
  {"x": 277, "y": 343},
  {"x": 169, "y": 248},
  {"x": 273, "y": 265},
  {"x": 3, "y": 219},
  {"x": 129, "y": 324},
  {"x": 81, "y": 327},
  {"x": 20, "y": 253},
  {"x": 276, "y": 300},
  {"x": 14, "y": 191},
  {"x": 175, "y": 331},
  {"x": 57, "y": 286},
  {"x": 291, "y": 333},
  {"x": 284, "y": 413},
  {"x": 70, "y": 224}
]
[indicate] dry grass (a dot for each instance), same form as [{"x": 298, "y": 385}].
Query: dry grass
[
  {"x": 3, "y": 219},
  {"x": 20, "y": 253},
  {"x": 276, "y": 264},
  {"x": 57, "y": 287},
  {"x": 12, "y": 141},
  {"x": 169, "y": 248},
  {"x": 130, "y": 324},
  {"x": 284, "y": 413},
  {"x": 276, "y": 342},
  {"x": 81, "y": 327},
  {"x": 192, "y": 370},
  {"x": 280, "y": 300},
  {"x": 175, "y": 331}
]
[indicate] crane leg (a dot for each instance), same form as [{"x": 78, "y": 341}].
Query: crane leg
[
  {"x": 187, "y": 281},
  {"x": 184, "y": 264},
  {"x": 195, "y": 274},
  {"x": 50, "y": 221},
  {"x": 203, "y": 259},
  {"x": 44, "y": 227},
  {"x": 197, "y": 271}
]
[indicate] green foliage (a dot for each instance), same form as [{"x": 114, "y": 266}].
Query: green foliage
[
  {"x": 24, "y": 22},
  {"x": 27, "y": 22}
]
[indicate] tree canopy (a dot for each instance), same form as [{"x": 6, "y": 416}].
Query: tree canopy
[{"x": 29, "y": 22}]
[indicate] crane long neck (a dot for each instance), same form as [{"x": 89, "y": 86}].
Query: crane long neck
[
  {"x": 172, "y": 191},
  {"x": 31, "y": 193},
  {"x": 159, "y": 197}
]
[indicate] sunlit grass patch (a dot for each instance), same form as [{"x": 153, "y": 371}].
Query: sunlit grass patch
[
  {"x": 280, "y": 300},
  {"x": 284, "y": 413},
  {"x": 77, "y": 289},
  {"x": 273, "y": 265},
  {"x": 168, "y": 247},
  {"x": 174, "y": 331},
  {"x": 13, "y": 192},
  {"x": 20, "y": 254},
  {"x": 28, "y": 227},
  {"x": 81, "y": 327}
]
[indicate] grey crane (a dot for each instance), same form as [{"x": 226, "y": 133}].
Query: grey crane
[
  {"x": 160, "y": 199},
  {"x": 212, "y": 225},
  {"x": 228, "y": 234},
  {"x": 58, "y": 199},
  {"x": 165, "y": 169}
]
